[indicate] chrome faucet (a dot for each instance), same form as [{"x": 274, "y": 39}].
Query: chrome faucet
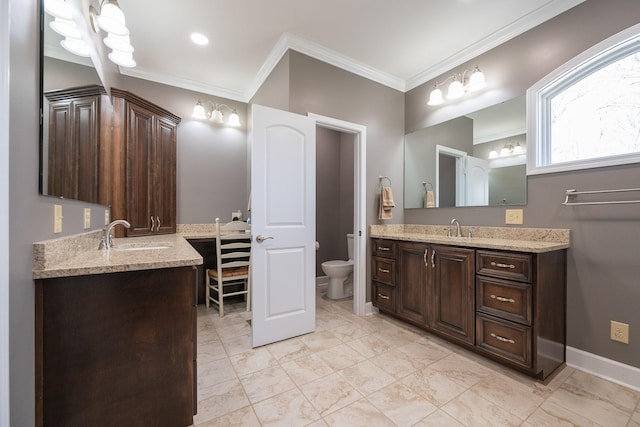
[
  {"x": 457, "y": 223},
  {"x": 106, "y": 242}
]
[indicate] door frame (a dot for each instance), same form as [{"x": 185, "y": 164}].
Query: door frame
[
  {"x": 359, "y": 209},
  {"x": 461, "y": 159}
]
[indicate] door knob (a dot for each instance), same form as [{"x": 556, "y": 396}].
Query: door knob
[{"x": 261, "y": 239}]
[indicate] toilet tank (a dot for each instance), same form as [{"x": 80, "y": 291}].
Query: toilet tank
[{"x": 350, "y": 245}]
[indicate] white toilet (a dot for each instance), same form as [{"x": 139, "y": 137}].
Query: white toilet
[{"x": 340, "y": 274}]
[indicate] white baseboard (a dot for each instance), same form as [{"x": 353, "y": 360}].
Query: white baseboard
[
  {"x": 619, "y": 373},
  {"x": 369, "y": 309}
]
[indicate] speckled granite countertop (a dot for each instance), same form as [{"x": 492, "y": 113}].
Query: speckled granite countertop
[
  {"x": 79, "y": 255},
  {"x": 533, "y": 240}
]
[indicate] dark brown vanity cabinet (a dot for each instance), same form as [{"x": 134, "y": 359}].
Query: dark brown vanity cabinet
[
  {"x": 383, "y": 274},
  {"x": 413, "y": 290}
]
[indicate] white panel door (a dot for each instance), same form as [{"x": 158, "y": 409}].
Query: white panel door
[
  {"x": 283, "y": 177},
  {"x": 477, "y": 182}
]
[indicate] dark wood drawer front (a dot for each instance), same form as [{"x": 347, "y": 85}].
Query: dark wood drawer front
[
  {"x": 504, "y": 265},
  {"x": 507, "y": 340},
  {"x": 508, "y": 300},
  {"x": 384, "y": 248},
  {"x": 384, "y": 270},
  {"x": 383, "y": 296}
]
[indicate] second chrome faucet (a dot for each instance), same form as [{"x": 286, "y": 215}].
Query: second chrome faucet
[{"x": 458, "y": 229}]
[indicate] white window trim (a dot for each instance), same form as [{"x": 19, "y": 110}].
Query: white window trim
[{"x": 539, "y": 96}]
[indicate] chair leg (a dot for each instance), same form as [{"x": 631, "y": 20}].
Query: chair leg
[
  {"x": 220, "y": 299},
  {"x": 248, "y": 294},
  {"x": 207, "y": 290}
]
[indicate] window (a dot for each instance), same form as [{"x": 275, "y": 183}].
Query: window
[{"x": 587, "y": 113}]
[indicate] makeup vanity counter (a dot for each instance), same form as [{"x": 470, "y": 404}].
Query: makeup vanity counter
[{"x": 500, "y": 293}]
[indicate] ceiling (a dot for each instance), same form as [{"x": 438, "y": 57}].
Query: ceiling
[{"x": 401, "y": 44}]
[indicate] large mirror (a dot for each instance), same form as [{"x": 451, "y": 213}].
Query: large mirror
[
  {"x": 67, "y": 170},
  {"x": 475, "y": 160}
]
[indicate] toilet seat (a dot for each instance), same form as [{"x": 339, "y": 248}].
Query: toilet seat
[{"x": 338, "y": 263}]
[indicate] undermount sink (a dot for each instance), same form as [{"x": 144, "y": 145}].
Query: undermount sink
[{"x": 142, "y": 246}]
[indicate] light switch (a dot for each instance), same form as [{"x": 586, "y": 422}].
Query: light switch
[
  {"x": 57, "y": 218},
  {"x": 513, "y": 216},
  {"x": 87, "y": 218}
]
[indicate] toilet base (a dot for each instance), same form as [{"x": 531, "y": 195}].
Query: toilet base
[{"x": 338, "y": 288}]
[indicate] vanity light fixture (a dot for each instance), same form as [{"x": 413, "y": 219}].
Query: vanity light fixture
[
  {"x": 458, "y": 86},
  {"x": 112, "y": 21},
  {"x": 508, "y": 150},
  {"x": 214, "y": 113},
  {"x": 64, "y": 25}
]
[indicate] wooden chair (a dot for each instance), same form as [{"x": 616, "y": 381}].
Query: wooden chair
[{"x": 233, "y": 256}]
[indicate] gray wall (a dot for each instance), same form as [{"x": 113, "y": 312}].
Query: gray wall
[{"x": 603, "y": 262}]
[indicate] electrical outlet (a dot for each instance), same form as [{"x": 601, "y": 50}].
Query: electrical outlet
[
  {"x": 57, "y": 218},
  {"x": 513, "y": 216},
  {"x": 107, "y": 217},
  {"x": 87, "y": 218},
  {"x": 620, "y": 332}
]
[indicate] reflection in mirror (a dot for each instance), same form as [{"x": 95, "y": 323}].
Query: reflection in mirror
[
  {"x": 68, "y": 158},
  {"x": 474, "y": 160}
]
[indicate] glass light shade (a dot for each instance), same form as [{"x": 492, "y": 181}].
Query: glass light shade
[
  {"x": 199, "y": 39},
  {"x": 77, "y": 47},
  {"x": 119, "y": 43},
  {"x": 493, "y": 154},
  {"x": 505, "y": 152},
  {"x": 518, "y": 149},
  {"x": 455, "y": 89},
  {"x": 59, "y": 9},
  {"x": 234, "y": 119},
  {"x": 217, "y": 116},
  {"x": 476, "y": 81},
  {"x": 199, "y": 112},
  {"x": 111, "y": 19},
  {"x": 123, "y": 59},
  {"x": 66, "y": 28},
  {"x": 435, "y": 98}
]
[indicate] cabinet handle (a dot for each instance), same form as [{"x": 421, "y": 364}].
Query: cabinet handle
[
  {"x": 503, "y": 299},
  {"x": 426, "y": 254},
  {"x": 383, "y": 248},
  {"x": 497, "y": 264},
  {"x": 383, "y": 296},
  {"x": 383, "y": 270},
  {"x": 433, "y": 255},
  {"x": 153, "y": 223},
  {"x": 503, "y": 339},
  {"x": 158, "y": 221}
]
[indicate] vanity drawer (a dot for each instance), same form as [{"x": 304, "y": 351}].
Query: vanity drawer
[
  {"x": 505, "y": 265},
  {"x": 383, "y": 270},
  {"x": 508, "y": 300},
  {"x": 383, "y": 297},
  {"x": 384, "y": 248},
  {"x": 504, "y": 339}
]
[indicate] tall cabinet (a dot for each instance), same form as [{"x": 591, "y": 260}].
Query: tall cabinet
[{"x": 145, "y": 137}]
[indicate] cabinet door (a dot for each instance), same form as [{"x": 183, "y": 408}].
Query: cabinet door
[
  {"x": 412, "y": 293},
  {"x": 140, "y": 160},
  {"x": 453, "y": 295},
  {"x": 164, "y": 184}
]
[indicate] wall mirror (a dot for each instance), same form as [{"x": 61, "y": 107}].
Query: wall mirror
[
  {"x": 68, "y": 170},
  {"x": 478, "y": 159}
]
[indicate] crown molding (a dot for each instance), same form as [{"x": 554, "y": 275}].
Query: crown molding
[{"x": 531, "y": 20}]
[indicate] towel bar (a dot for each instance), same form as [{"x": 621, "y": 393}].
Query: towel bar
[
  {"x": 571, "y": 194},
  {"x": 380, "y": 178}
]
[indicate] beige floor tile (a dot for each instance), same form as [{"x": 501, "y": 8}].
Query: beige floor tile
[
  {"x": 366, "y": 377},
  {"x": 369, "y": 346},
  {"x": 241, "y": 328},
  {"x": 238, "y": 344},
  {"x": 397, "y": 336},
  {"x": 551, "y": 415},
  {"x": 326, "y": 320},
  {"x": 210, "y": 351},
  {"x": 289, "y": 408},
  {"x": 622, "y": 398},
  {"x": 423, "y": 351},
  {"x": 439, "y": 419},
  {"x": 358, "y": 414},
  {"x": 433, "y": 386},
  {"x": 461, "y": 369},
  {"x": 243, "y": 417},
  {"x": 306, "y": 369},
  {"x": 330, "y": 393},
  {"x": 287, "y": 350},
  {"x": 511, "y": 395},
  {"x": 635, "y": 419},
  {"x": 340, "y": 357},
  {"x": 215, "y": 372},
  {"x": 252, "y": 361},
  {"x": 396, "y": 363},
  {"x": 319, "y": 423},
  {"x": 589, "y": 405},
  {"x": 349, "y": 332},
  {"x": 473, "y": 411},
  {"x": 401, "y": 405},
  {"x": 220, "y": 399},
  {"x": 320, "y": 340},
  {"x": 266, "y": 383}
]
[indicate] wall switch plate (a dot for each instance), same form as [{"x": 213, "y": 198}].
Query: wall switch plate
[
  {"x": 57, "y": 218},
  {"x": 513, "y": 216},
  {"x": 107, "y": 217},
  {"x": 620, "y": 332},
  {"x": 87, "y": 218}
]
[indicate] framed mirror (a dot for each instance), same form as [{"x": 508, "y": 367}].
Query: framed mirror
[{"x": 474, "y": 160}]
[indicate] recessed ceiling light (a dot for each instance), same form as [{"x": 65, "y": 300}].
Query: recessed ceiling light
[{"x": 199, "y": 39}]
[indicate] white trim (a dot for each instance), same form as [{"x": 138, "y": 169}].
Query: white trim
[
  {"x": 370, "y": 309},
  {"x": 360, "y": 203},
  {"x": 5, "y": 368},
  {"x": 322, "y": 280},
  {"x": 619, "y": 373}
]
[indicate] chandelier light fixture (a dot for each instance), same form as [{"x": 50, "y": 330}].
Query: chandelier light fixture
[
  {"x": 213, "y": 112},
  {"x": 460, "y": 84}
]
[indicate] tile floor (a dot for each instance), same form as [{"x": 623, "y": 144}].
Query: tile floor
[{"x": 376, "y": 371}]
